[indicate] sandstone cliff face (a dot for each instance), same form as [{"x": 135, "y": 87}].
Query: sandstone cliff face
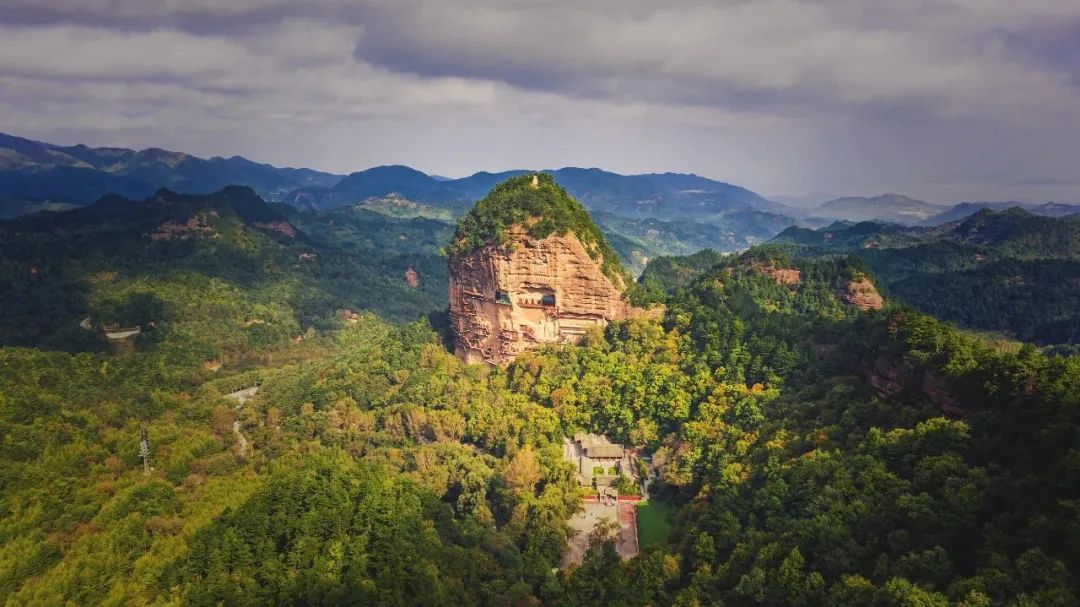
[
  {"x": 504, "y": 301},
  {"x": 782, "y": 276},
  {"x": 862, "y": 294}
]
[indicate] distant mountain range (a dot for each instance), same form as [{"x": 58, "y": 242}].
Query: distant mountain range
[
  {"x": 33, "y": 172},
  {"x": 966, "y": 209},
  {"x": 36, "y": 176},
  {"x": 1024, "y": 234},
  {"x": 37, "y": 171},
  {"x": 803, "y": 201},
  {"x": 886, "y": 207},
  {"x": 696, "y": 212},
  {"x": 646, "y": 215},
  {"x": 903, "y": 210},
  {"x": 669, "y": 195}
]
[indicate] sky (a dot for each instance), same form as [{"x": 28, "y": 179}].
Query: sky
[{"x": 945, "y": 100}]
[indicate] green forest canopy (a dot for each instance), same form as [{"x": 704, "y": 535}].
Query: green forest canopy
[
  {"x": 1007, "y": 271},
  {"x": 814, "y": 454}
]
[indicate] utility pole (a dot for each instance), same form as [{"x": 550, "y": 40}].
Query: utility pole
[{"x": 144, "y": 451}]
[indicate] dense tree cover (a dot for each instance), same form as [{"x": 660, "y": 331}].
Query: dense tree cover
[
  {"x": 667, "y": 274},
  {"x": 373, "y": 466},
  {"x": 359, "y": 229},
  {"x": 816, "y": 454},
  {"x": 244, "y": 278},
  {"x": 1007, "y": 271},
  {"x": 823, "y": 456},
  {"x": 545, "y": 209},
  {"x": 1018, "y": 233},
  {"x": 846, "y": 234},
  {"x": 1035, "y": 301}
]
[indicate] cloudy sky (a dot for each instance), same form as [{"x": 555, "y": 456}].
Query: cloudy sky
[{"x": 941, "y": 99}]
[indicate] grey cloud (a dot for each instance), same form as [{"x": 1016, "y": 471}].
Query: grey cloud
[
  {"x": 824, "y": 55},
  {"x": 1055, "y": 44},
  {"x": 936, "y": 98},
  {"x": 191, "y": 16},
  {"x": 727, "y": 54}
]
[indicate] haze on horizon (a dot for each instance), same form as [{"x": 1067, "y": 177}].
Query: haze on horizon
[{"x": 946, "y": 101}]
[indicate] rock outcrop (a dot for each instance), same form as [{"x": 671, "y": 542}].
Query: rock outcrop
[
  {"x": 196, "y": 225},
  {"x": 862, "y": 294},
  {"x": 782, "y": 276},
  {"x": 281, "y": 227},
  {"x": 505, "y": 300},
  {"x": 523, "y": 289}
]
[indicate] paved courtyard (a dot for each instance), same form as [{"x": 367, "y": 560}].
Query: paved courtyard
[{"x": 582, "y": 523}]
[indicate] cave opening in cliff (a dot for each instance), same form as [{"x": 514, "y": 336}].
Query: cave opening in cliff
[{"x": 536, "y": 297}]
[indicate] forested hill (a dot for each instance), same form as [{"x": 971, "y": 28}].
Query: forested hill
[
  {"x": 212, "y": 276},
  {"x": 880, "y": 458},
  {"x": 539, "y": 204},
  {"x": 817, "y": 451},
  {"x": 1007, "y": 271}
]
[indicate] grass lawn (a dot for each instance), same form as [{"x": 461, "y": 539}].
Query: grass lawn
[{"x": 655, "y": 520}]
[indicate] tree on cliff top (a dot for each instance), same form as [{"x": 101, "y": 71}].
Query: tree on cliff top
[{"x": 535, "y": 201}]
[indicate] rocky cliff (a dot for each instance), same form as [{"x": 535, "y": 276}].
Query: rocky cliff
[
  {"x": 862, "y": 294},
  {"x": 524, "y": 288}
]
